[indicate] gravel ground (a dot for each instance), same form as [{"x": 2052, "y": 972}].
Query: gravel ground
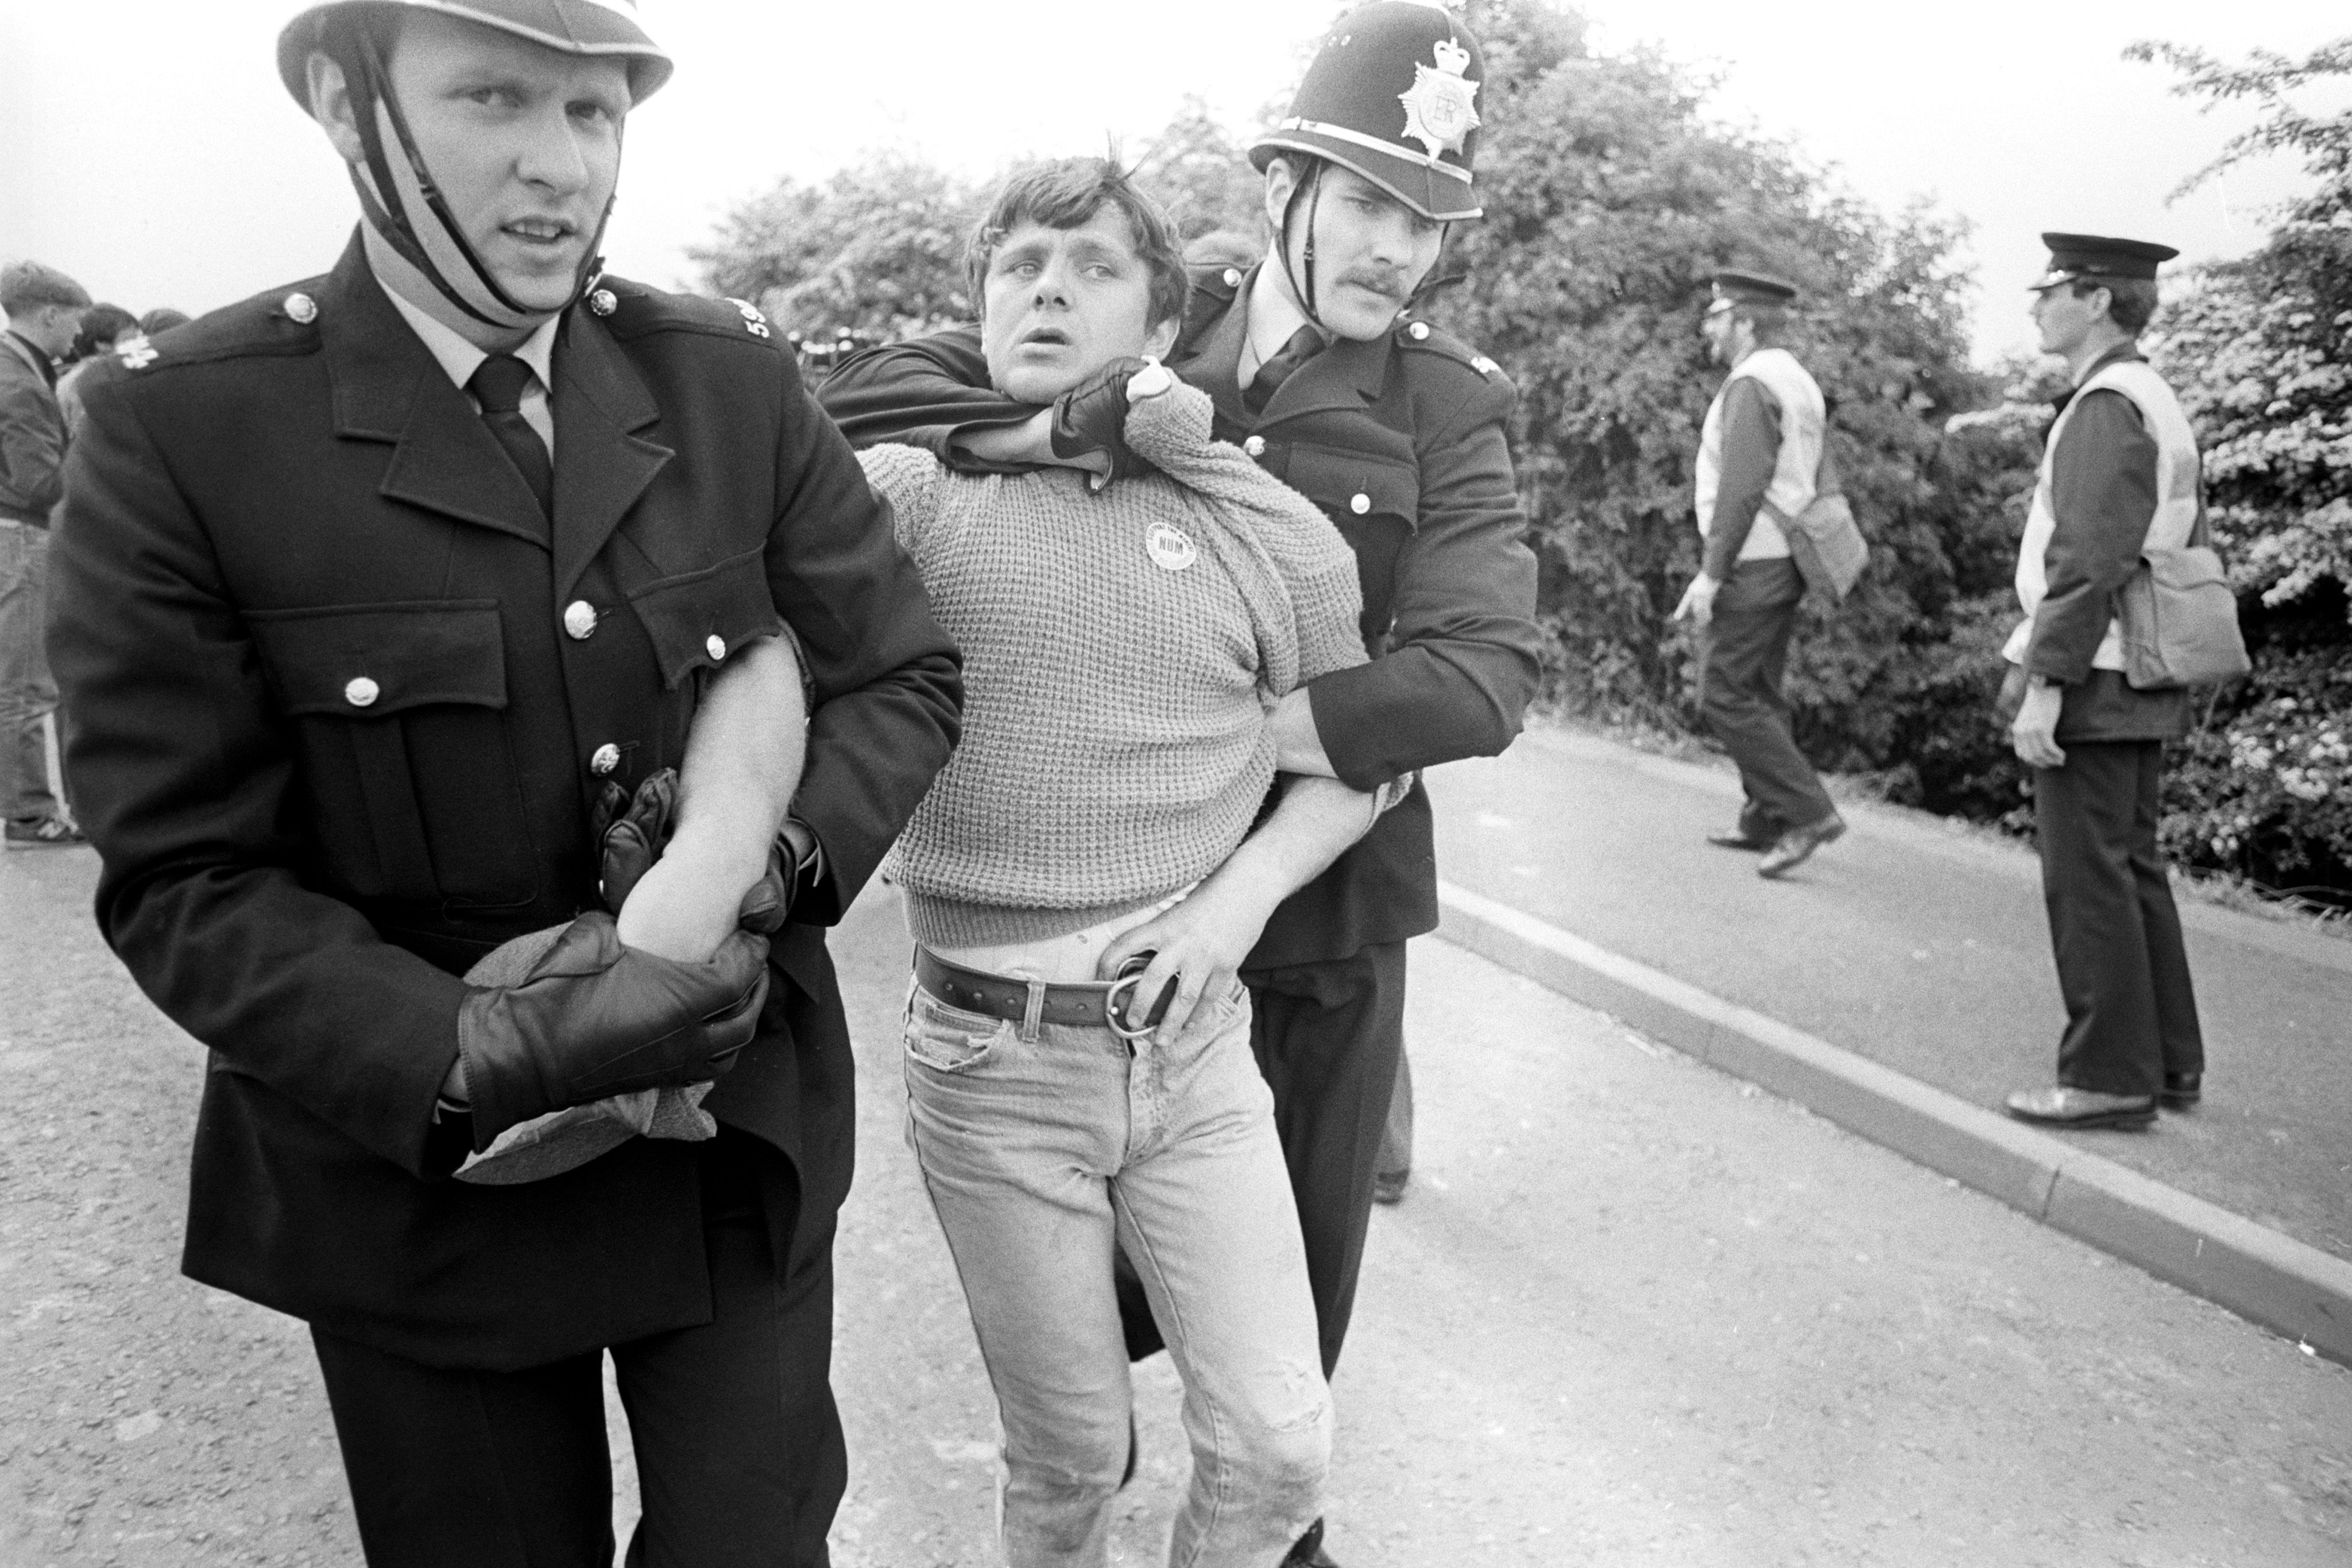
[{"x": 1631, "y": 1312}]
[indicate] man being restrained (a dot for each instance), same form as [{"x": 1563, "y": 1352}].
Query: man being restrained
[{"x": 1083, "y": 883}]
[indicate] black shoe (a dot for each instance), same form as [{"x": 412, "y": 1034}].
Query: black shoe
[
  {"x": 2063, "y": 1105},
  {"x": 1738, "y": 839},
  {"x": 1797, "y": 843},
  {"x": 1388, "y": 1187},
  {"x": 1309, "y": 1552},
  {"x": 44, "y": 833},
  {"x": 2182, "y": 1090}
]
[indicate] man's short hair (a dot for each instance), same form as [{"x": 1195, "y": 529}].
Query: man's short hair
[
  {"x": 100, "y": 325},
  {"x": 27, "y": 286},
  {"x": 2131, "y": 301},
  {"x": 163, "y": 319},
  {"x": 1067, "y": 192}
]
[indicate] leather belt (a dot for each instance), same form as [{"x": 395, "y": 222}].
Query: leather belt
[{"x": 1007, "y": 996}]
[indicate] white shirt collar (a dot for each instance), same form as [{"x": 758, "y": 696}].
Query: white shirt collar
[
  {"x": 461, "y": 359},
  {"x": 1273, "y": 319}
]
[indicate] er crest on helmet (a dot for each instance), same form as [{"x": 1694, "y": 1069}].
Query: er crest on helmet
[{"x": 1441, "y": 106}]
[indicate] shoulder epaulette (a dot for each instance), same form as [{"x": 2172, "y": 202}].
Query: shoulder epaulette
[
  {"x": 281, "y": 321},
  {"x": 1217, "y": 279},
  {"x": 1412, "y": 333},
  {"x": 631, "y": 310}
]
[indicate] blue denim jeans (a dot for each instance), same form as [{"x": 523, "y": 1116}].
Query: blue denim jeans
[
  {"x": 1044, "y": 1147},
  {"x": 27, "y": 694}
]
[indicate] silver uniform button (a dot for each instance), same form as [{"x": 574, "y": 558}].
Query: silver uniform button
[
  {"x": 1360, "y": 503},
  {"x": 579, "y": 621},
  {"x": 1233, "y": 276},
  {"x": 716, "y": 647},
  {"x": 361, "y": 692},
  {"x": 301, "y": 308},
  {"x": 608, "y": 756},
  {"x": 1418, "y": 332},
  {"x": 1255, "y": 447},
  {"x": 602, "y": 302}
]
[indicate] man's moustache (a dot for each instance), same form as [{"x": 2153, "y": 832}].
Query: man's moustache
[{"x": 1388, "y": 284}]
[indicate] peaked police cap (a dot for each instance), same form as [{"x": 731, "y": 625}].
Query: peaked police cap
[
  {"x": 1752, "y": 288},
  {"x": 2075, "y": 257},
  {"x": 599, "y": 29},
  {"x": 1394, "y": 95}
]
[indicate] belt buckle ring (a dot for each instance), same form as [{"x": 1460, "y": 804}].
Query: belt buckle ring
[{"x": 1119, "y": 988}]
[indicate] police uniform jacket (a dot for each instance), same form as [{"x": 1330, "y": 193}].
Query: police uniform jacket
[
  {"x": 344, "y": 704},
  {"x": 1400, "y": 442},
  {"x": 2102, "y": 491}
]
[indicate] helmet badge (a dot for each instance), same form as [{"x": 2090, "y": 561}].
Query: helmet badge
[{"x": 1441, "y": 106}]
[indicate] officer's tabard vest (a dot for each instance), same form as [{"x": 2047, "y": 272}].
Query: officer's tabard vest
[
  {"x": 1803, "y": 417},
  {"x": 2176, "y": 496}
]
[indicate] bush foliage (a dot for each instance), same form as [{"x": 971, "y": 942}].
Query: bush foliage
[{"x": 1609, "y": 197}]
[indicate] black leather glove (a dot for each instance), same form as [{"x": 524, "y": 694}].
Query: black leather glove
[
  {"x": 592, "y": 1017},
  {"x": 1092, "y": 417},
  {"x": 632, "y": 833}
]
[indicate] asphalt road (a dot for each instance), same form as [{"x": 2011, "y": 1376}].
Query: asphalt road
[
  {"x": 1923, "y": 946},
  {"x": 1631, "y": 1312}
]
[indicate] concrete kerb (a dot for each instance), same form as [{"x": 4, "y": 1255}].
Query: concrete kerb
[{"x": 2270, "y": 1279}]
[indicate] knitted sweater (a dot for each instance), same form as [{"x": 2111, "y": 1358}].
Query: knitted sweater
[{"x": 1122, "y": 651}]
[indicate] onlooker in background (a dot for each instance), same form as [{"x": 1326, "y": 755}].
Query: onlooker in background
[
  {"x": 105, "y": 330},
  {"x": 2120, "y": 475},
  {"x": 1760, "y": 461},
  {"x": 44, "y": 309},
  {"x": 163, "y": 319}
]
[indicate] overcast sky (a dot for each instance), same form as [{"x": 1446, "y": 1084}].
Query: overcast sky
[{"x": 147, "y": 147}]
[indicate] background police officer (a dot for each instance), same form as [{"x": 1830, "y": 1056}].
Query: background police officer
[
  {"x": 2121, "y": 475},
  {"x": 1320, "y": 369},
  {"x": 1759, "y": 465},
  {"x": 373, "y": 596}
]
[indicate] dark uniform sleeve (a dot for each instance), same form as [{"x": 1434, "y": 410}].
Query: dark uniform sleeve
[
  {"x": 1464, "y": 657},
  {"x": 186, "y": 784},
  {"x": 1751, "y": 454},
  {"x": 2102, "y": 491},
  {"x": 925, "y": 392},
  {"x": 887, "y": 681}
]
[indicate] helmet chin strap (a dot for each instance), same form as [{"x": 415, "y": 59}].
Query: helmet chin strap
[
  {"x": 401, "y": 203},
  {"x": 1302, "y": 279}
]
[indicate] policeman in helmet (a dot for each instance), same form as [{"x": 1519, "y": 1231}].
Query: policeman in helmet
[
  {"x": 388, "y": 601},
  {"x": 1322, "y": 367}
]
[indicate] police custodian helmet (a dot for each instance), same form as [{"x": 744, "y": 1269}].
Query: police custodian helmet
[
  {"x": 605, "y": 27},
  {"x": 1394, "y": 95},
  {"x": 397, "y": 193}
]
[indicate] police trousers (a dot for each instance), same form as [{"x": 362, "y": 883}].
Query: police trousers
[
  {"x": 739, "y": 1446},
  {"x": 2131, "y": 1012},
  {"x": 1743, "y": 654}
]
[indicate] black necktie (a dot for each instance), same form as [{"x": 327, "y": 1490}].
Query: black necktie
[
  {"x": 1304, "y": 345},
  {"x": 498, "y": 385}
]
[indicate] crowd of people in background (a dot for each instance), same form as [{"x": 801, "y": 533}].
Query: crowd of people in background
[{"x": 54, "y": 333}]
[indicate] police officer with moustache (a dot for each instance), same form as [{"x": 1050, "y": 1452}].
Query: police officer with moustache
[
  {"x": 2120, "y": 475},
  {"x": 375, "y": 597},
  {"x": 1321, "y": 370}
]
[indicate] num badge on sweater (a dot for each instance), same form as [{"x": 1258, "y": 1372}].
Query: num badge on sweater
[{"x": 1169, "y": 548}]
